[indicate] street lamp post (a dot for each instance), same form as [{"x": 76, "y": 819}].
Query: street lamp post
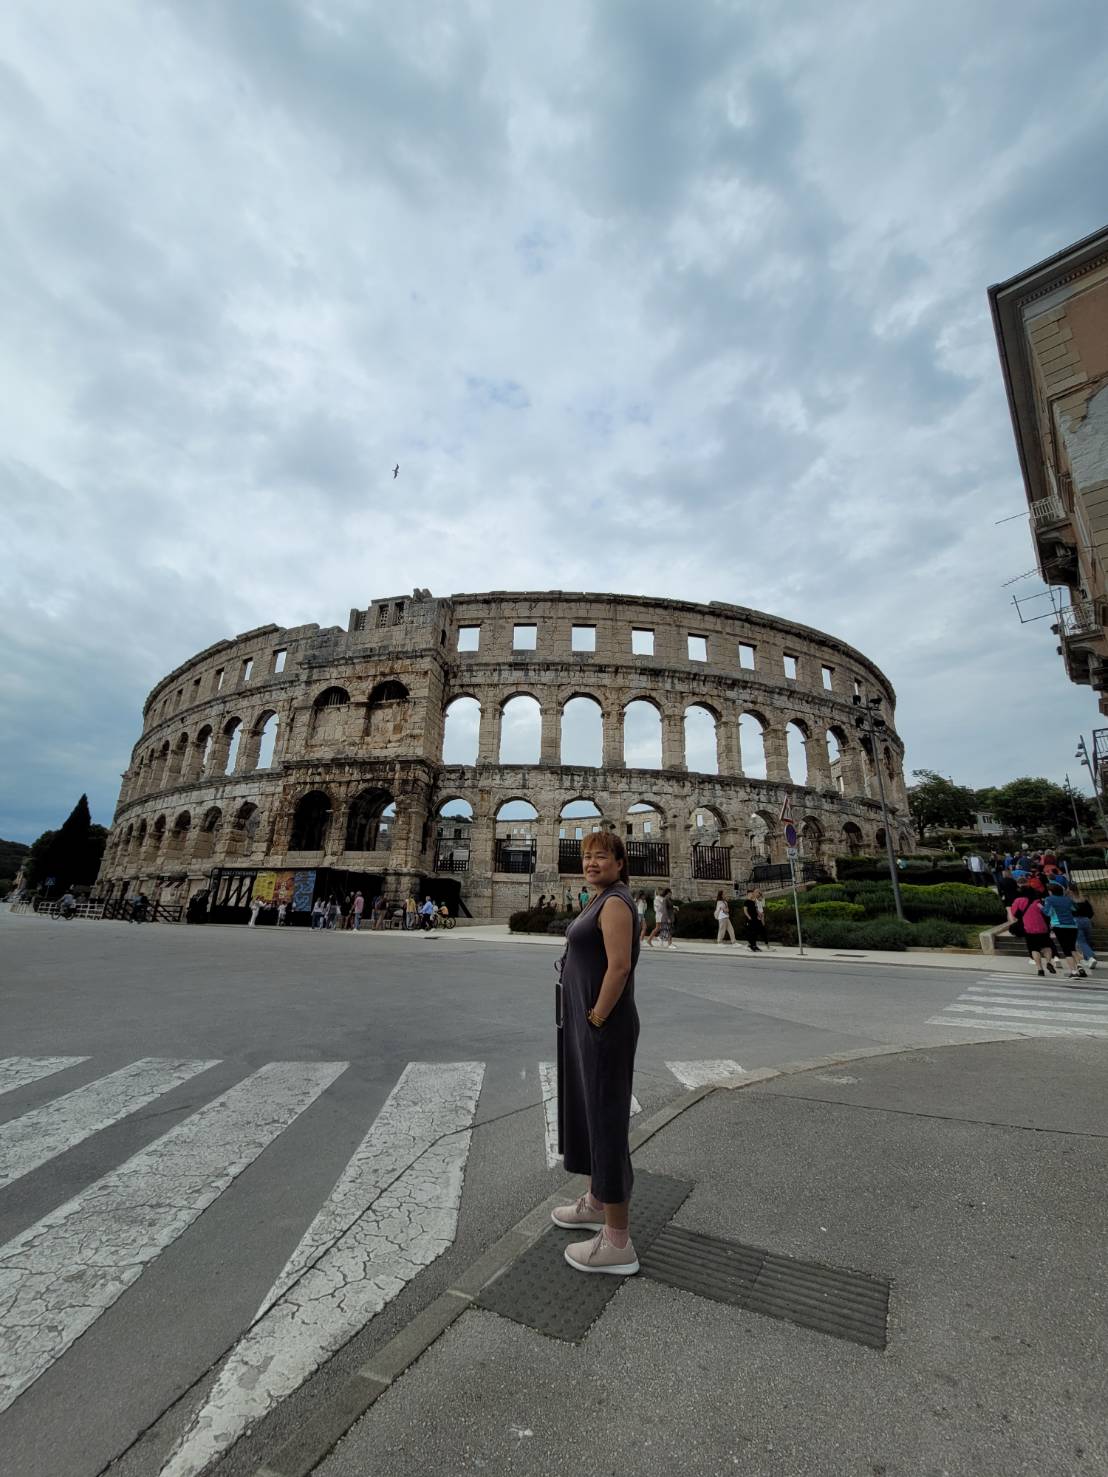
[
  {"x": 1083, "y": 755},
  {"x": 870, "y": 722}
]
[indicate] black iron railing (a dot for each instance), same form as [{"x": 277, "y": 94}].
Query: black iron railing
[
  {"x": 515, "y": 856},
  {"x": 569, "y": 856},
  {"x": 712, "y": 863},
  {"x": 648, "y": 858}
]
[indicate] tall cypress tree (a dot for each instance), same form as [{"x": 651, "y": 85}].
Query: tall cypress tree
[{"x": 67, "y": 859}]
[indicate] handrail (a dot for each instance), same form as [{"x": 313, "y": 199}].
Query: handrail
[{"x": 1047, "y": 510}]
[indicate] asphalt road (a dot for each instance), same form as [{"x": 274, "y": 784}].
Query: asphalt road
[{"x": 221, "y": 1153}]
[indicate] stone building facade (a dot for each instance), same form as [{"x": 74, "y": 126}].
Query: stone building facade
[
  {"x": 288, "y": 762},
  {"x": 1051, "y": 325}
]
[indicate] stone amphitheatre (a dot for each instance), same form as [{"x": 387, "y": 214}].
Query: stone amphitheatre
[{"x": 465, "y": 745}]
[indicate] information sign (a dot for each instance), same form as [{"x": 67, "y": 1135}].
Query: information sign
[{"x": 792, "y": 852}]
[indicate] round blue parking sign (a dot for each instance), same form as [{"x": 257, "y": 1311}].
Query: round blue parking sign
[{"x": 790, "y": 834}]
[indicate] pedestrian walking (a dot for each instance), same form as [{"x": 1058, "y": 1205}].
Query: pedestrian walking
[
  {"x": 334, "y": 913},
  {"x": 582, "y": 899},
  {"x": 359, "y": 909},
  {"x": 723, "y": 918},
  {"x": 597, "y": 1042},
  {"x": 1083, "y": 917},
  {"x": 426, "y": 913},
  {"x": 319, "y": 914},
  {"x": 410, "y": 911},
  {"x": 1030, "y": 923},
  {"x": 255, "y": 909},
  {"x": 1008, "y": 889},
  {"x": 1058, "y": 908},
  {"x": 282, "y": 912},
  {"x": 659, "y": 906},
  {"x": 752, "y": 925},
  {"x": 640, "y": 909}
]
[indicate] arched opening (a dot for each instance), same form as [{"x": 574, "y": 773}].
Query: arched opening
[
  {"x": 369, "y": 821},
  {"x": 161, "y": 772},
  {"x": 710, "y": 845},
  {"x": 453, "y": 836},
  {"x": 179, "y": 766},
  {"x": 310, "y": 821},
  {"x": 267, "y": 740},
  {"x": 516, "y": 826},
  {"x": 701, "y": 750},
  {"x": 209, "y": 829},
  {"x": 232, "y": 732},
  {"x": 762, "y": 837},
  {"x": 244, "y": 829},
  {"x": 582, "y": 733},
  {"x": 642, "y": 735},
  {"x": 461, "y": 730},
  {"x": 836, "y": 749},
  {"x": 202, "y": 750},
  {"x": 386, "y": 712},
  {"x": 796, "y": 742},
  {"x": 879, "y": 838},
  {"x": 890, "y": 764},
  {"x": 852, "y": 839},
  {"x": 180, "y": 832},
  {"x": 811, "y": 839},
  {"x": 520, "y": 730},
  {"x": 575, "y": 820},
  {"x": 330, "y": 715},
  {"x": 752, "y": 745},
  {"x": 157, "y": 834},
  {"x": 128, "y": 838},
  {"x": 141, "y": 835}
]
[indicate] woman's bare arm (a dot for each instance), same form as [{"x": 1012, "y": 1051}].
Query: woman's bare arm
[{"x": 616, "y": 926}]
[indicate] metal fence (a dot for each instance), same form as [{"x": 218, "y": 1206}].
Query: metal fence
[
  {"x": 712, "y": 863},
  {"x": 648, "y": 858},
  {"x": 514, "y": 856}
]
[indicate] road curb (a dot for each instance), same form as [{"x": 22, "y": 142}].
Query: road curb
[{"x": 318, "y": 1436}]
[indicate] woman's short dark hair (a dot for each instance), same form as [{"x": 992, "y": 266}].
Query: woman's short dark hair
[{"x": 607, "y": 841}]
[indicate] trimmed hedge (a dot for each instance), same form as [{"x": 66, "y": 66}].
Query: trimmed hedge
[{"x": 540, "y": 920}]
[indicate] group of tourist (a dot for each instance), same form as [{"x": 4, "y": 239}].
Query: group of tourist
[
  {"x": 1046, "y": 909},
  {"x": 349, "y": 913}
]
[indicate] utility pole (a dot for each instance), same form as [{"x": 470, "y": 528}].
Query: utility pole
[
  {"x": 869, "y": 721},
  {"x": 1083, "y": 755},
  {"x": 1076, "y": 822}
]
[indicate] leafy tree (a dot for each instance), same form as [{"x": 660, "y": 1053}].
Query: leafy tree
[
  {"x": 937, "y": 801},
  {"x": 12, "y": 854},
  {"x": 1031, "y": 806}
]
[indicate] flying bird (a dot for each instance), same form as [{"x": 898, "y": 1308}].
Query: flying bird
[{"x": 395, "y": 471}]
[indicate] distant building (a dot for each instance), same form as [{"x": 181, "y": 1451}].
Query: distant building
[
  {"x": 987, "y": 825},
  {"x": 1051, "y": 326}
]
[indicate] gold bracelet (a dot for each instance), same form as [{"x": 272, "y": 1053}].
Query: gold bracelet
[{"x": 592, "y": 1018}]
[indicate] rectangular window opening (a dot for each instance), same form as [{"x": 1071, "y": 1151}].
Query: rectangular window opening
[
  {"x": 247, "y": 668},
  {"x": 578, "y": 833},
  {"x": 398, "y": 613},
  {"x": 857, "y": 688},
  {"x": 583, "y": 638},
  {"x": 698, "y": 648},
  {"x": 790, "y": 667},
  {"x": 219, "y": 680},
  {"x": 647, "y": 827},
  {"x": 469, "y": 638},
  {"x": 642, "y": 643},
  {"x": 746, "y": 656},
  {"x": 525, "y": 638},
  {"x": 279, "y": 660},
  {"x": 383, "y": 614},
  {"x": 828, "y": 676}
]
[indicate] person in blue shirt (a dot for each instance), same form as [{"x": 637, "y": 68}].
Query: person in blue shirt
[{"x": 1058, "y": 907}]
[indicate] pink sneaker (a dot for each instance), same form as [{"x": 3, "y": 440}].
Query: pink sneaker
[
  {"x": 599, "y": 1255},
  {"x": 578, "y": 1217}
]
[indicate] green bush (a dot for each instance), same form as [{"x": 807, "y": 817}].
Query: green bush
[
  {"x": 539, "y": 920},
  {"x": 831, "y": 908},
  {"x": 937, "y": 933}
]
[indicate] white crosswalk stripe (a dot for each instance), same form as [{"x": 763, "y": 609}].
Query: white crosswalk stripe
[
  {"x": 393, "y": 1211},
  {"x": 1044, "y": 1007},
  {"x": 18, "y": 1071},
  {"x": 59, "y": 1275},
  {"x": 42, "y": 1134}
]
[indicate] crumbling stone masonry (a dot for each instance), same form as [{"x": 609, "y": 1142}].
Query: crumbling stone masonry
[{"x": 294, "y": 750}]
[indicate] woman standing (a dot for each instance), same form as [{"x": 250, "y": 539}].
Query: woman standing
[
  {"x": 723, "y": 918},
  {"x": 1036, "y": 929},
  {"x": 597, "y": 1046},
  {"x": 1083, "y": 917},
  {"x": 752, "y": 923}
]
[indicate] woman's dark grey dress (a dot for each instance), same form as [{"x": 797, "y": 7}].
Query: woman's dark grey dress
[{"x": 598, "y": 1062}]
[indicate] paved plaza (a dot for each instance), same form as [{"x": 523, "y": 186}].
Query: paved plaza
[{"x": 237, "y": 1163}]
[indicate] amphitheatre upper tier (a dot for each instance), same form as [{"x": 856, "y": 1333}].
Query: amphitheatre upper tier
[{"x": 350, "y": 724}]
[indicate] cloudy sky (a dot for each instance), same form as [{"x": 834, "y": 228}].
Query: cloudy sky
[{"x": 680, "y": 299}]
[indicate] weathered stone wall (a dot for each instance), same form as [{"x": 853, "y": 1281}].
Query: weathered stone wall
[{"x": 362, "y": 711}]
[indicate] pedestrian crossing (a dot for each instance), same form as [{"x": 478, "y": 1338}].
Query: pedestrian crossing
[
  {"x": 1029, "y": 1007},
  {"x": 392, "y": 1211}
]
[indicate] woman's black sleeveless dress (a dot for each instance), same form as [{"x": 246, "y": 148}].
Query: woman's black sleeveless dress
[{"x": 598, "y": 1062}]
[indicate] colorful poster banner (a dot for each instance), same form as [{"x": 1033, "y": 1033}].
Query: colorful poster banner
[
  {"x": 263, "y": 886},
  {"x": 283, "y": 887},
  {"x": 303, "y": 890}
]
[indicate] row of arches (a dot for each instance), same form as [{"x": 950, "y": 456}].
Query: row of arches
[{"x": 809, "y": 756}]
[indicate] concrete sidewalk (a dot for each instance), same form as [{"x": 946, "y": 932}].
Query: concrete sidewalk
[
  {"x": 708, "y": 948},
  {"x": 971, "y": 1178}
]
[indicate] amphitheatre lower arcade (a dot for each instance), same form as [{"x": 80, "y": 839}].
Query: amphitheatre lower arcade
[{"x": 463, "y": 746}]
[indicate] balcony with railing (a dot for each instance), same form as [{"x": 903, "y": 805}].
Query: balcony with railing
[
  {"x": 1080, "y": 620},
  {"x": 1047, "y": 510},
  {"x": 711, "y": 863},
  {"x": 513, "y": 855}
]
